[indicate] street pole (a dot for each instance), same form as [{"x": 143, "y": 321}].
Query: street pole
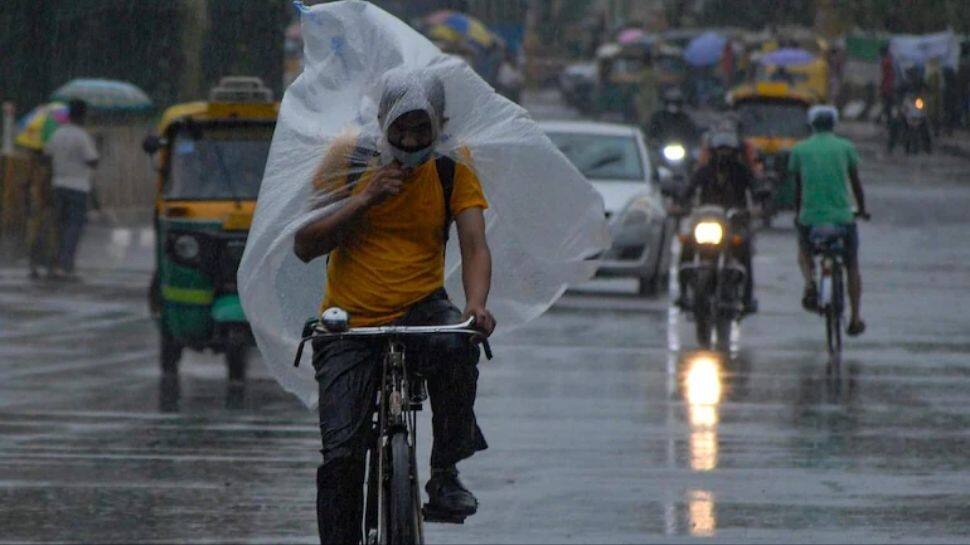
[{"x": 8, "y": 117}]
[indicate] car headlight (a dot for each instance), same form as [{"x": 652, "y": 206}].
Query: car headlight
[
  {"x": 634, "y": 217},
  {"x": 674, "y": 153},
  {"x": 639, "y": 211},
  {"x": 708, "y": 232},
  {"x": 186, "y": 247}
]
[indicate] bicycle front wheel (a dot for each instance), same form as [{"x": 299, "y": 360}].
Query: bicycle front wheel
[{"x": 404, "y": 511}]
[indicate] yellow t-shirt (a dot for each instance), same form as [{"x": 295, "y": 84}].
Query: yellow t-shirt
[{"x": 395, "y": 256}]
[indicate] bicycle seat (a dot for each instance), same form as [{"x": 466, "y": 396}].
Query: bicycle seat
[{"x": 827, "y": 238}]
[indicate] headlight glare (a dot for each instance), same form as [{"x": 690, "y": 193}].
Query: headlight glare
[
  {"x": 708, "y": 232},
  {"x": 674, "y": 152}
]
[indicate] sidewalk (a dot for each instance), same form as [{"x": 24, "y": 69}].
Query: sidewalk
[{"x": 957, "y": 145}]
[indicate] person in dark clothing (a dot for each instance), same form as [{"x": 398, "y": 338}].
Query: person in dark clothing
[
  {"x": 672, "y": 122},
  {"x": 887, "y": 84},
  {"x": 726, "y": 182}
]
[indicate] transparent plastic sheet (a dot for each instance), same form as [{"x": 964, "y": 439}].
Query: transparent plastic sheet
[{"x": 543, "y": 222}]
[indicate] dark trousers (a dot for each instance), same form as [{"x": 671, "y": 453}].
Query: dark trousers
[
  {"x": 742, "y": 253},
  {"x": 70, "y": 214},
  {"x": 348, "y": 373}
]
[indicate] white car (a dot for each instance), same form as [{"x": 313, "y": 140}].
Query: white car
[{"x": 614, "y": 159}]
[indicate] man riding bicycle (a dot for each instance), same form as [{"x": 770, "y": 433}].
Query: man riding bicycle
[
  {"x": 385, "y": 243},
  {"x": 727, "y": 182},
  {"x": 820, "y": 166}
]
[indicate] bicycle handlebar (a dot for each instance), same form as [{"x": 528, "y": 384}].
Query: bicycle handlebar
[{"x": 462, "y": 328}]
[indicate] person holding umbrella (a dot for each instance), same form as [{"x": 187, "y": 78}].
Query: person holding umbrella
[{"x": 73, "y": 157}]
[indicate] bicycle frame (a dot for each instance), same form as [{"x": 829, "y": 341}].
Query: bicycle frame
[
  {"x": 399, "y": 397},
  {"x": 831, "y": 300}
]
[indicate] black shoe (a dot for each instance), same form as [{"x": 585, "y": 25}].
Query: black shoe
[
  {"x": 810, "y": 298},
  {"x": 750, "y": 306},
  {"x": 446, "y": 494}
]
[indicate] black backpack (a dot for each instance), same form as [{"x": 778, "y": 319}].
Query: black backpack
[{"x": 361, "y": 157}]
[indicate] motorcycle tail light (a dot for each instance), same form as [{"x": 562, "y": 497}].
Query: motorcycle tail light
[{"x": 737, "y": 240}]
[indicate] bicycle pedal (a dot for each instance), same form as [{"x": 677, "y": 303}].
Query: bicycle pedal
[{"x": 431, "y": 514}]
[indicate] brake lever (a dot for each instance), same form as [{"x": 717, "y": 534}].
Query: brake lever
[{"x": 487, "y": 348}]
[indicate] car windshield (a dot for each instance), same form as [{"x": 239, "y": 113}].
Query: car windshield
[
  {"x": 218, "y": 163},
  {"x": 786, "y": 120},
  {"x": 601, "y": 157}
]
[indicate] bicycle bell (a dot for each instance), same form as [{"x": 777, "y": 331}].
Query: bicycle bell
[{"x": 335, "y": 320}]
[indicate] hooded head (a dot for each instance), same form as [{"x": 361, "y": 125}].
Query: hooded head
[{"x": 411, "y": 114}]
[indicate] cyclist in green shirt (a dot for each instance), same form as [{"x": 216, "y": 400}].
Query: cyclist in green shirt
[{"x": 823, "y": 167}]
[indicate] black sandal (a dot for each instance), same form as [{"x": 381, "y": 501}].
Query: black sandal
[{"x": 856, "y": 328}]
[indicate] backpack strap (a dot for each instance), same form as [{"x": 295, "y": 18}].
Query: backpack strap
[{"x": 446, "y": 176}]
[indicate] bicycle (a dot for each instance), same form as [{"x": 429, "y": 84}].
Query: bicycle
[
  {"x": 828, "y": 241},
  {"x": 392, "y": 493}
]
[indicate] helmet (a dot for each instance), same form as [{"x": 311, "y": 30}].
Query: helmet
[
  {"x": 673, "y": 98},
  {"x": 673, "y": 94},
  {"x": 724, "y": 139}
]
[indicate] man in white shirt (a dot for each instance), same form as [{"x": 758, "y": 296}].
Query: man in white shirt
[{"x": 73, "y": 159}]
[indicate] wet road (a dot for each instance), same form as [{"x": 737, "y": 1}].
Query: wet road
[{"x": 605, "y": 424}]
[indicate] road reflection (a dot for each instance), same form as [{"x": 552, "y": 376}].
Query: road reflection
[
  {"x": 700, "y": 511},
  {"x": 702, "y": 391}
]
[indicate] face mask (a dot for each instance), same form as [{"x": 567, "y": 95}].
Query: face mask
[{"x": 411, "y": 159}]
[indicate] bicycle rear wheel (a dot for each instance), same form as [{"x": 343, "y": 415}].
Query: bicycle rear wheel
[
  {"x": 833, "y": 317},
  {"x": 404, "y": 513}
]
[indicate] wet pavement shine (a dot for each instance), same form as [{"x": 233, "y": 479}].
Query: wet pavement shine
[{"x": 606, "y": 425}]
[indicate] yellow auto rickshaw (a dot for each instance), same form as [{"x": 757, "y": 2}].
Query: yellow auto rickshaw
[
  {"x": 772, "y": 118},
  {"x": 210, "y": 157}
]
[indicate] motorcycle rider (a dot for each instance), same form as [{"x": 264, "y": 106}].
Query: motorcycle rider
[
  {"x": 672, "y": 123},
  {"x": 386, "y": 265},
  {"x": 820, "y": 166},
  {"x": 726, "y": 181}
]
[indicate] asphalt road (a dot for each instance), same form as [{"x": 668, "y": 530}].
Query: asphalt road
[{"x": 605, "y": 423}]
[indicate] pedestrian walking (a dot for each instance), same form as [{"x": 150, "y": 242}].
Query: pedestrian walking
[
  {"x": 41, "y": 235},
  {"x": 73, "y": 157},
  {"x": 887, "y": 85}
]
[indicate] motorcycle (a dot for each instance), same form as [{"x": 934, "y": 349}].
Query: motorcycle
[
  {"x": 674, "y": 164},
  {"x": 911, "y": 126},
  {"x": 714, "y": 278}
]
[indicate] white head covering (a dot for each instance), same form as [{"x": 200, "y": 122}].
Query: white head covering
[
  {"x": 544, "y": 219},
  {"x": 823, "y": 110}
]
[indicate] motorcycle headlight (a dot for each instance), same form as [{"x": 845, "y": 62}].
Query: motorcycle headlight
[
  {"x": 186, "y": 247},
  {"x": 708, "y": 232},
  {"x": 919, "y": 104},
  {"x": 674, "y": 153}
]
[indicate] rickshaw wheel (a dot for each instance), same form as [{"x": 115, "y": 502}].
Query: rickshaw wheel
[
  {"x": 236, "y": 361},
  {"x": 170, "y": 354}
]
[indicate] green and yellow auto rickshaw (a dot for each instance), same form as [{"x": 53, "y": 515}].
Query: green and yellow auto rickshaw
[
  {"x": 772, "y": 118},
  {"x": 210, "y": 157}
]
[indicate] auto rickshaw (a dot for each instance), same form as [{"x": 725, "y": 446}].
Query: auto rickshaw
[
  {"x": 619, "y": 69},
  {"x": 210, "y": 158},
  {"x": 772, "y": 119}
]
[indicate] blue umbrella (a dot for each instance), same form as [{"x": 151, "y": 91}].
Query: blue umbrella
[
  {"x": 104, "y": 94},
  {"x": 788, "y": 57},
  {"x": 705, "y": 49}
]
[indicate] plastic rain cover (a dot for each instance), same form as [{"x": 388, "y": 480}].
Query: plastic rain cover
[{"x": 544, "y": 219}]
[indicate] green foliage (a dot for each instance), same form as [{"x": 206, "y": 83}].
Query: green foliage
[{"x": 756, "y": 14}]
